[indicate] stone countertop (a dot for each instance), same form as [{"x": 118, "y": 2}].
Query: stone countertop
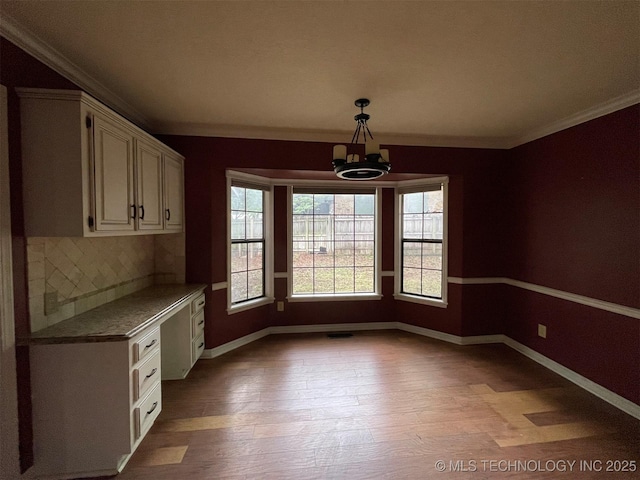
[{"x": 118, "y": 320}]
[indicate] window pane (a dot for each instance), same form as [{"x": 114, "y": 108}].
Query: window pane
[
  {"x": 432, "y": 256},
  {"x": 412, "y": 202},
  {"x": 303, "y": 280},
  {"x": 238, "y": 257},
  {"x": 238, "y": 287},
  {"x": 412, "y": 280},
  {"x": 345, "y": 257},
  {"x": 412, "y": 225},
  {"x": 344, "y": 280},
  {"x": 323, "y": 281},
  {"x": 253, "y": 229},
  {"x": 344, "y": 205},
  {"x": 411, "y": 254},
  {"x": 237, "y": 225},
  {"x": 322, "y": 204},
  {"x": 323, "y": 255},
  {"x": 432, "y": 283},
  {"x": 433, "y": 202},
  {"x": 237, "y": 198},
  {"x": 302, "y": 259},
  {"x": 364, "y": 254},
  {"x": 364, "y": 280},
  {"x": 254, "y": 200},
  {"x": 432, "y": 226},
  {"x": 302, "y": 204},
  {"x": 254, "y": 254},
  {"x": 364, "y": 204},
  {"x": 255, "y": 281}
]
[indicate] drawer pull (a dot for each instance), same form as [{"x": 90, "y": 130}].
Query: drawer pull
[
  {"x": 155, "y": 404},
  {"x": 201, "y": 345},
  {"x": 200, "y": 322},
  {"x": 155, "y": 340},
  {"x": 201, "y": 303},
  {"x": 153, "y": 372}
]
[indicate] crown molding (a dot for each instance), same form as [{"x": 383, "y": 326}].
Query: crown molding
[
  {"x": 329, "y": 136},
  {"x": 38, "y": 48},
  {"x": 604, "y": 108}
]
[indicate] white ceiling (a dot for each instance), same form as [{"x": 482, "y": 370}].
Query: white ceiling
[{"x": 474, "y": 73}]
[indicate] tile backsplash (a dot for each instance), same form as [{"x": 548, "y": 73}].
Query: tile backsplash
[{"x": 68, "y": 276}]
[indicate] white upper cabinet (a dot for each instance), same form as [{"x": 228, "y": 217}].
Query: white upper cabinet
[
  {"x": 149, "y": 194},
  {"x": 87, "y": 171},
  {"x": 173, "y": 193},
  {"x": 115, "y": 207}
]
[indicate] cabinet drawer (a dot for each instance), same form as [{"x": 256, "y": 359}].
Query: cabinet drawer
[
  {"x": 197, "y": 324},
  {"x": 146, "y": 374},
  {"x": 197, "y": 347},
  {"x": 197, "y": 304},
  {"x": 146, "y": 345},
  {"x": 148, "y": 410}
]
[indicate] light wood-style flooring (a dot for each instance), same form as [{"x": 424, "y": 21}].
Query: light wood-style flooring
[{"x": 381, "y": 405}]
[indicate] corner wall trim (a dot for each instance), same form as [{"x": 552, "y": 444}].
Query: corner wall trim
[
  {"x": 599, "y": 391},
  {"x": 552, "y": 292}
]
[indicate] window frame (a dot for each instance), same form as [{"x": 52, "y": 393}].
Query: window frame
[
  {"x": 414, "y": 187},
  {"x": 377, "y": 274},
  {"x": 238, "y": 179}
]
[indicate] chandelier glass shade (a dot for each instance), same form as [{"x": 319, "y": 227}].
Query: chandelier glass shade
[{"x": 347, "y": 163}]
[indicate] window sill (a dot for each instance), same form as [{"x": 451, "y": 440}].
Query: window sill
[
  {"x": 421, "y": 300},
  {"x": 334, "y": 298},
  {"x": 241, "y": 307}
]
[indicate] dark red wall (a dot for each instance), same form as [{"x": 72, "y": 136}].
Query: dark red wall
[
  {"x": 574, "y": 209},
  {"x": 574, "y": 225}
]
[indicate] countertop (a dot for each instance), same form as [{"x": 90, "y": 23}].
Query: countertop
[{"x": 118, "y": 320}]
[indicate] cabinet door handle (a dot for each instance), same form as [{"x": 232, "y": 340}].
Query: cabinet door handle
[
  {"x": 141, "y": 212},
  {"x": 155, "y": 404},
  {"x": 201, "y": 303},
  {"x": 151, "y": 344},
  {"x": 201, "y": 345},
  {"x": 168, "y": 215},
  {"x": 200, "y": 322},
  {"x": 153, "y": 372},
  {"x": 133, "y": 211}
]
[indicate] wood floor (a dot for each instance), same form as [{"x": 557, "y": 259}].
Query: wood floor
[{"x": 381, "y": 405}]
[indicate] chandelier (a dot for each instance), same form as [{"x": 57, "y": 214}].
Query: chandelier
[{"x": 376, "y": 161}]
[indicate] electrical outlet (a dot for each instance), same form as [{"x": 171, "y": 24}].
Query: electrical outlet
[
  {"x": 280, "y": 306},
  {"x": 542, "y": 330}
]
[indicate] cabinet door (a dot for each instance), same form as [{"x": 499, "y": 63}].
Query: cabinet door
[
  {"x": 113, "y": 177},
  {"x": 149, "y": 186},
  {"x": 173, "y": 193}
]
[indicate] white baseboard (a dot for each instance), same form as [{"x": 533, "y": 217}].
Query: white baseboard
[
  {"x": 605, "y": 394},
  {"x": 237, "y": 343},
  {"x": 599, "y": 391}
]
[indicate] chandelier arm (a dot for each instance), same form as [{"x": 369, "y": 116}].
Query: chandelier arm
[
  {"x": 368, "y": 131},
  {"x": 356, "y": 134}
]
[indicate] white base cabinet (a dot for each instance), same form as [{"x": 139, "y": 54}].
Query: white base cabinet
[{"x": 94, "y": 402}]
